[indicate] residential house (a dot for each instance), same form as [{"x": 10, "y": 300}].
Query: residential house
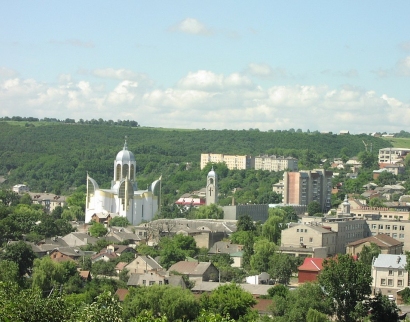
[
  {"x": 143, "y": 264},
  {"x": 155, "y": 278},
  {"x": 310, "y": 269},
  {"x": 48, "y": 200},
  {"x": 387, "y": 245},
  {"x": 235, "y": 251},
  {"x": 389, "y": 274},
  {"x": 202, "y": 271},
  {"x": 66, "y": 253},
  {"x": 77, "y": 239},
  {"x": 105, "y": 255},
  {"x": 21, "y": 189}
]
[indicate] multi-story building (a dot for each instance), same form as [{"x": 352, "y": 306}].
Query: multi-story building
[
  {"x": 389, "y": 274},
  {"x": 233, "y": 162},
  {"x": 21, "y": 188},
  {"x": 275, "y": 163},
  {"x": 392, "y": 155},
  {"x": 309, "y": 240},
  {"x": 303, "y": 187}
]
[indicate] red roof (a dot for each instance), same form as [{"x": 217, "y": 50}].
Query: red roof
[
  {"x": 311, "y": 264},
  {"x": 122, "y": 293}
]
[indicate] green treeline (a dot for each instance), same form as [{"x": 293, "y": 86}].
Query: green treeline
[{"x": 57, "y": 157}]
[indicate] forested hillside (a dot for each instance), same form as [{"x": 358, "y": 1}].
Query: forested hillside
[{"x": 57, "y": 157}]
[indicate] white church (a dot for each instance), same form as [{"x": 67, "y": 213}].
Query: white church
[{"x": 123, "y": 198}]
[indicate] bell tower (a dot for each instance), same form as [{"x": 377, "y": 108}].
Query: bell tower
[{"x": 211, "y": 188}]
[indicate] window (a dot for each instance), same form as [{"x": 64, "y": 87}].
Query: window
[
  {"x": 310, "y": 239},
  {"x": 399, "y": 282},
  {"x": 374, "y": 226},
  {"x": 394, "y": 235},
  {"x": 389, "y": 282},
  {"x": 297, "y": 230},
  {"x": 387, "y": 226},
  {"x": 390, "y": 272},
  {"x": 380, "y": 226},
  {"x": 383, "y": 281},
  {"x": 160, "y": 282},
  {"x": 400, "y": 273},
  {"x": 401, "y": 227},
  {"x": 305, "y": 230},
  {"x": 301, "y": 239},
  {"x": 144, "y": 282},
  {"x": 401, "y": 236},
  {"x": 151, "y": 283},
  {"x": 394, "y": 227}
]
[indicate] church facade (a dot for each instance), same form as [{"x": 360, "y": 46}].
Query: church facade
[{"x": 123, "y": 198}]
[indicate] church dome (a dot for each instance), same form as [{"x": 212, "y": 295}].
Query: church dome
[
  {"x": 212, "y": 173},
  {"x": 124, "y": 155}
]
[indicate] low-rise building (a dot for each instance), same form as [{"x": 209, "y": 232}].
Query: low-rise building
[
  {"x": 387, "y": 245},
  {"x": 310, "y": 269},
  {"x": 21, "y": 189},
  {"x": 389, "y": 274}
]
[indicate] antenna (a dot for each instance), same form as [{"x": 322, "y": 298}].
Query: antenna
[{"x": 365, "y": 145}]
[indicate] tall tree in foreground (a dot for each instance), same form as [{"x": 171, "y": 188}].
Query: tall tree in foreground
[{"x": 347, "y": 282}]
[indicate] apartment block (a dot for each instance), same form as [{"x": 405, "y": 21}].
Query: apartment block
[
  {"x": 233, "y": 162},
  {"x": 275, "y": 163},
  {"x": 303, "y": 187},
  {"x": 392, "y": 155}
]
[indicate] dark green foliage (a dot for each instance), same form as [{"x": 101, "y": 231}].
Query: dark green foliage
[
  {"x": 173, "y": 250},
  {"x": 382, "y": 309},
  {"x": 347, "y": 282},
  {"x": 173, "y": 302},
  {"x": 98, "y": 230},
  {"x": 228, "y": 299},
  {"x": 314, "y": 208},
  {"x": 119, "y": 222},
  {"x": 21, "y": 254},
  {"x": 405, "y": 295}
]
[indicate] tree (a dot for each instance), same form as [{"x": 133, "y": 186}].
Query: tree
[
  {"x": 98, "y": 230},
  {"x": 314, "y": 208},
  {"x": 9, "y": 272},
  {"x": 263, "y": 251},
  {"x": 382, "y": 309},
  {"x": 281, "y": 267},
  {"x": 273, "y": 226},
  {"x": 211, "y": 211},
  {"x": 119, "y": 222},
  {"x": 347, "y": 282},
  {"x": 228, "y": 299},
  {"x": 376, "y": 202},
  {"x": 368, "y": 253},
  {"x": 20, "y": 253},
  {"x": 245, "y": 223},
  {"x": 368, "y": 159},
  {"x": 170, "y": 301}
]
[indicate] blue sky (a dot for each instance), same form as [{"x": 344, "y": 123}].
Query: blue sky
[{"x": 318, "y": 65}]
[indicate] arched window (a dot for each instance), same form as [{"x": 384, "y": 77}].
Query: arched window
[
  {"x": 118, "y": 172},
  {"x": 132, "y": 172},
  {"x": 125, "y": 170}
]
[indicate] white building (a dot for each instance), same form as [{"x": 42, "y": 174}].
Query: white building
[
  {"x": 123, "y": 198},
  {"x": 389, "y": 274},
  {"x": 392, "y": 155},
  {"x": 20, "y": 188},
  {"x": 233, "y": 162}
]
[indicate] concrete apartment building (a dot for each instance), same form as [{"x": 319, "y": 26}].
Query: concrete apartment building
[
  {"x": 303, "y": 187},
  {"x": 392, "y": 155},
  {"x": 275, "y": 163},
  {"x": 233, "y": 162}
]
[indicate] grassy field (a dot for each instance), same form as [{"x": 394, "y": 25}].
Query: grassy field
[{"x": 399, "y": 142}]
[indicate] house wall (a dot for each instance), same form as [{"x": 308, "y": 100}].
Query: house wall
[
  {"x": 307, "y": 276},
  {"x": 388, "y": 280}
]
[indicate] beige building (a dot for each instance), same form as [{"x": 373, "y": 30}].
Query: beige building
[
  {"x": 392, "y": 155},
  {"x": 142, "y": 265},
  {"x": 275, "y": 163},
  {"x": 389, "y": 274},
  {"x": 387, "y": 245},
  {"x": 303, "y": 187},
  {"x": 48, "y": 200},
  {"x": 233, "y": 162},
  {"x": 305, "y": 238}
]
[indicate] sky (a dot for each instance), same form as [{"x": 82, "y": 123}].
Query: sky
[{"x": 267, "y": 65}]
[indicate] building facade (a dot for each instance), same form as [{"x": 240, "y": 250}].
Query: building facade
[
  {"x": 233, "y": 162},
  {"x": 389, "y": 274},
  {"x": 303, "y": 187},
  {"x": 123, "y": 198},
  {"x": 392, "y": 155},
  {"x": 275, "y": 163}
]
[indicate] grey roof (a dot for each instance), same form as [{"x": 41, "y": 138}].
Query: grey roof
[
  {"x": 390, "y": 261},
  {"x": 190, "y": 268},
  {"x": 223, "y": 247},
  {"x": 133, "y": 280},
  {"x": 125, "y": 155}
]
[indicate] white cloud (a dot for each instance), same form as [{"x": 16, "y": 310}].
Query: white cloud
[
  {"x": 114, "y": 73},
  {"x": 403, "y": 66},
  {"x": 204, "y": 99},
  {"x": 265, "y": 71},
  {"x": 191, "y": 26}
]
